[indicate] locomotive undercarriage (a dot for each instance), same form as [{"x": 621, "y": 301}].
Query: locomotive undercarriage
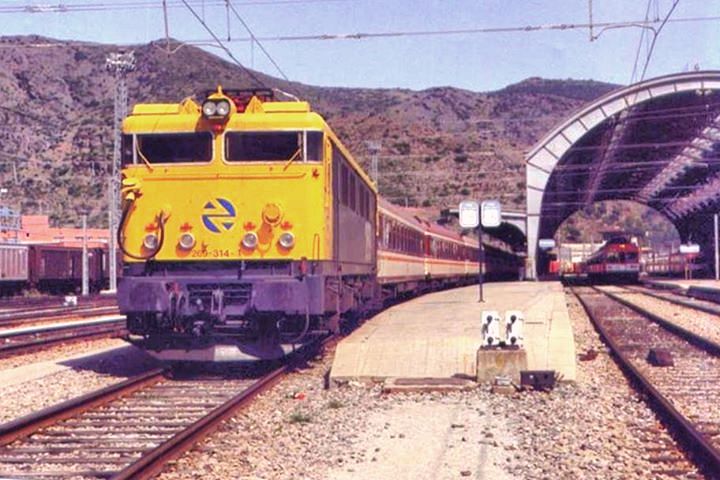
[{"x": 239, "y": 312}]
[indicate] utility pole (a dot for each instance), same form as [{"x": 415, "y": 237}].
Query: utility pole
[
  {"x": 717, "y": 246},
  {"x": 119, "y": 64},
  {"x": 85, "y": 280},
  {"x": 374, "y": 148}
]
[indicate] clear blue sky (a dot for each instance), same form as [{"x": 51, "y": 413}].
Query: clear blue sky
[{"x": 479, "y": 62}]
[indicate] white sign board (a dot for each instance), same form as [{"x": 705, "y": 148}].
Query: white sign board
[
  {"x": 690, "y": 249},
  {"x": 469, "y": 214},
  {"x": 490, "y": 214},
  {"x": 546, "y": 243}
]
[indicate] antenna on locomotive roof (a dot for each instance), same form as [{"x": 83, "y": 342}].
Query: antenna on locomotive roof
[{"x": 289, "y": 95}]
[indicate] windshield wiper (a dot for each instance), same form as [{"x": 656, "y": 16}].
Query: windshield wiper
[
  {"x": 143, "y": 157},
  {"x": 292, "y": 159}
]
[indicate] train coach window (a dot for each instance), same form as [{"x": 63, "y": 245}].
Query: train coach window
[
  {"x": 344, "y": 185},
  {"x": 175, "y": 147},
  {"x": 273, "y": 146}
]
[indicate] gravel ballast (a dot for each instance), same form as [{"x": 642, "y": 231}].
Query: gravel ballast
[
  {"x": 81, "y": 376},
  {"x": 700, "y": 323},
  {"x": 597, "y": 428},
  {"x": 59, "y": 351}
]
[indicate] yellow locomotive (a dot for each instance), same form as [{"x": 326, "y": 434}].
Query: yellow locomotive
[{"x": 247, "y": 227}]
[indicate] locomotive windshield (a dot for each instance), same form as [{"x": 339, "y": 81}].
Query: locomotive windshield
[
  {"x": 621, "y": 257},
  {"x": 168, "y": 148},
  {"x": 273, "y": 146},
  {"x": 617, "y": 241}
]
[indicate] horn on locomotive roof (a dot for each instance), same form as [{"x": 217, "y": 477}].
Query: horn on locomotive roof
[{"x": 241, "y": 96}]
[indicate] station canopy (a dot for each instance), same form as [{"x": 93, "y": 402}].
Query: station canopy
[{"x": 655, "y": 143}]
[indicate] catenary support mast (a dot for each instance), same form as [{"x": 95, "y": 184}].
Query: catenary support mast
[{"x": 119, "y": 63}]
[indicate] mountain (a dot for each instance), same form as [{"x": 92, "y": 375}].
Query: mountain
[{"x": 439, "y": 145}]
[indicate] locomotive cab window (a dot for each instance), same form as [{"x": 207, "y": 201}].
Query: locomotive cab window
[
  {"x": 127, "y": 150},
  {"x": 168, "y": 148},
  {"x": 273, "y": 146}
]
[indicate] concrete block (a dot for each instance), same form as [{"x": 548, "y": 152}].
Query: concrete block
[{"x": 492, "y": 363}]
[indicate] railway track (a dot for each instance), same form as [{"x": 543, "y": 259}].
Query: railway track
[
  {"x": 129, "y": 430},
  {"x": 29, "y": 303},
  {"x": 23, "y": 340},
  {"x": 683, "y": 395},
  {"x": 677, "y": 298},
  {"x": 21, "y": 316}
]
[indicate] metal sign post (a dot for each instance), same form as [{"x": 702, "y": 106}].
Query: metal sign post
[
  {"x": 490, "y": 217},
  {"x": 469, "y": 215},
  {"x": 474, "y": 215},
  {"x": 481, "y": 261}
]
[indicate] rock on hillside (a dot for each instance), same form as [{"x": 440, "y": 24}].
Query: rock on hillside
[{"x": 438, "y": 145}]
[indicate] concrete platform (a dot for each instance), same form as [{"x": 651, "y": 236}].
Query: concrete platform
[{"x": 438, "y": 335}]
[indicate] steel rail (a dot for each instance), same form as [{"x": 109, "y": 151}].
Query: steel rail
[
  {"x": 699, "y": 444},
  {"x": 7, "y": 318},
  {"x": 49, "y": 301},
  {"x": 677, "y": 301},
  {"x": 97, "y": 331},
  {"x": 59, "y": 327},
  {"x": 24, "y": 426},
  {"x": 693, "y": 338},
  {"x": 154, "y": 461}
]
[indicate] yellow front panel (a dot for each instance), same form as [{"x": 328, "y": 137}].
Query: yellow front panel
[{"x": 219, "y": 203}]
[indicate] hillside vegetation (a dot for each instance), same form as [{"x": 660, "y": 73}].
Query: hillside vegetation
[{"x": 439, "y": 145}]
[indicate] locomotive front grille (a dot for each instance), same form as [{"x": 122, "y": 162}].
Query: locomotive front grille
[{"x": 233, "y": 293}]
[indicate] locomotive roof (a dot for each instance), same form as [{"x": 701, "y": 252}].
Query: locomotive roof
[{"x": 186, "y": 116}]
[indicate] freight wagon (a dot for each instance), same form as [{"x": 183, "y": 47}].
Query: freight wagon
[{"x": 50, "y": 268}]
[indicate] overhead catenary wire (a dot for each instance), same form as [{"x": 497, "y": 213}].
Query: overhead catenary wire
[
  {"x": 255, "y": 40},
  {"x": 655, "y": 37},
  {"x": 65, "y": 8},
  {"x": 141, "y": 5},
  {"x": 468, "y": 31},
  {"x": 229, "y": 53},
  {"x": 640, "y": 42}
]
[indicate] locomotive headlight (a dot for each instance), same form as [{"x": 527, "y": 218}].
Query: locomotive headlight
[
  {"x": 187, "y": 241},
  {"x": 150, "y": 241},
  {"x": 209, "y": 108},
  {"x": 287, "y": 240},
  {"x": 222, "y": 108},
  {"x": 250, "y": 240},
  {"x": 271, "y": 213}
]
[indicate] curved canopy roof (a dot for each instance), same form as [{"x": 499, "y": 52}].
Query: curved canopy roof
[{"x": 654, "y": 142}]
